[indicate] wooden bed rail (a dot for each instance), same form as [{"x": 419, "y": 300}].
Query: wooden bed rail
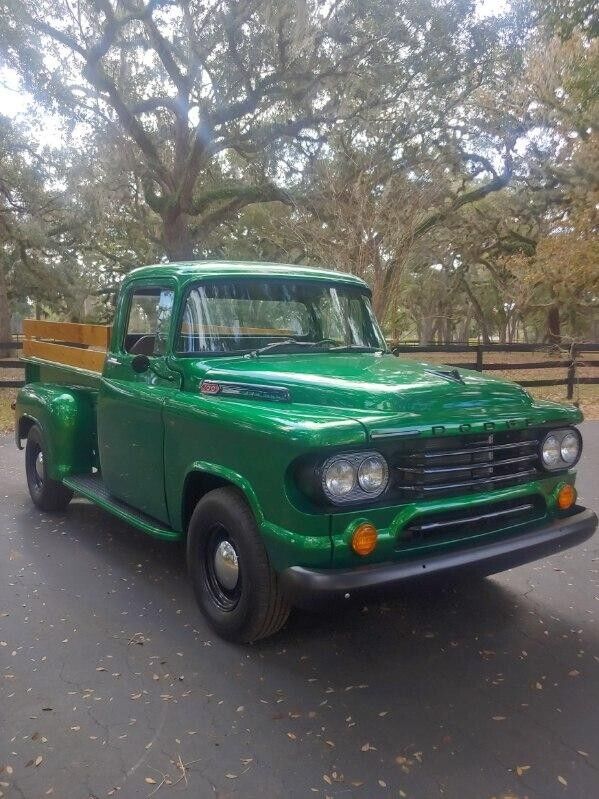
[{"x": 68, "y": 343}]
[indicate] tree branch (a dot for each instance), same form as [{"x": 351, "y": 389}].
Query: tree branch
[{"x": 248, "y": 194}]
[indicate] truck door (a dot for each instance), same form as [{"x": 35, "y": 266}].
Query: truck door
[{"x": 130, "y": 405}]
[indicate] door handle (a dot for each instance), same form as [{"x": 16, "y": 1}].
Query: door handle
[{"x": 113, "y": 361}]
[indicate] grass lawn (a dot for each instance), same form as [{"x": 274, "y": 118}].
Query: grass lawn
[{"x": 7, "y": 395}]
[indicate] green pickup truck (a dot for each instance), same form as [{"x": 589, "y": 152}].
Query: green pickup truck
[{"x": 255, "y": 411}]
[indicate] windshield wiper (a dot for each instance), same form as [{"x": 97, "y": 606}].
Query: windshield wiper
[
  {"x": 289, "y": 342},
  {"x": 355, "y": 348}
]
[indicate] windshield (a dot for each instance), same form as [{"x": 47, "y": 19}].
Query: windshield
[{"x": 248, "y": 315}]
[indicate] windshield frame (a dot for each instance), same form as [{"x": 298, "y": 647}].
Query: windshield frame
[{"x": 359, "y": 288}]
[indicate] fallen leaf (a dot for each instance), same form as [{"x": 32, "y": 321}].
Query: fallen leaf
[
  {"x": 520, "y": 770},
  {"x": 231, "y": 776},
  {"x": 573, "y": 673},
  {"x": 561, "y": 779},
  {"x": 499, "y": 718},
  {"x": 38, "y": 760},
  {"x": 292, "y": 736},
  {"x": 150, "y": 781},
  {"x": 382, "y": 783}
]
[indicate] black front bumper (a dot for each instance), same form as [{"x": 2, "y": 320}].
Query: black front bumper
[{"x": 310, "y": 587}]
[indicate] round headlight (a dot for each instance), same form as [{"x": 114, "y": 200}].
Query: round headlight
[
  {"x": 570, "y": 448},
  {"x": 551, "y": 452},
  {"x": 339, "y": 477},
  {"x": 372, "y": 474}
]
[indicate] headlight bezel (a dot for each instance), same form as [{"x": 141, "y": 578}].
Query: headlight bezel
[
  {"x": 560, "y": 434},
  {"x": 357, "y": 493}
]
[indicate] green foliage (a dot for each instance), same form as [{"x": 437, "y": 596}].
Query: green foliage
[{"x": 448, "y": 159}]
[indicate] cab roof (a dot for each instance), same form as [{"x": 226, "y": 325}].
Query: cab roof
[{"x": 188, "y": 271}]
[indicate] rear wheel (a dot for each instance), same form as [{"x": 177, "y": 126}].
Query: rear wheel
[
  {"x": 235, "y": 586},
  {"x": 47, "y": 494}
]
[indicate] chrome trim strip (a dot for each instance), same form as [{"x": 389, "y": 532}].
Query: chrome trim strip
[
  {"x": 247, "y": 390},
  {"x": 423, "y": 528}
]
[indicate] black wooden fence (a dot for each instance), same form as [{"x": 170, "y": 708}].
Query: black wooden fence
[{"x": 10, "y": 363}]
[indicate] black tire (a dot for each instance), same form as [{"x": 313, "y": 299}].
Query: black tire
[
  {"x": 47, "y": 494},
  {"x": 255, "y": 607}
]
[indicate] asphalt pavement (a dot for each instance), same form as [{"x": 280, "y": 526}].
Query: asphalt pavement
[{"x": 111, "y": 684}]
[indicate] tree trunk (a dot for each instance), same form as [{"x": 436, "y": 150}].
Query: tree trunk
[
  {"x": 554, "y": 333},
  {"x": 478, "y": 313},
  {"x": 5, "y": 331},
  {"x": 176, "y": 236},
  {"x": 464, "y": 334},
  {"x": 426, "y": 330}
]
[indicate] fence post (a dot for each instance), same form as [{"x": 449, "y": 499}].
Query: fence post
[
  {"x": 479, "y": 358},
  {"x": 571, "y": 378}
]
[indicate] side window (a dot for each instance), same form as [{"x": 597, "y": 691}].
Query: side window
[{"x": 150, "y": 312}]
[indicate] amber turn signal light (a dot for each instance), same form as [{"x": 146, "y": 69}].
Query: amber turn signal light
[
  {"x": 364, "y": 538},
  {"x": 565, "y": 497}
]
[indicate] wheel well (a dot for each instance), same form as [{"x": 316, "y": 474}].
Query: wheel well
[
  {"x": 197, "y": 485},
  {"x": 25, "y": 425}
]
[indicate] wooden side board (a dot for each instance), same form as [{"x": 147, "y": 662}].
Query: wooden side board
[
  {"x": 68, "y": 332},
  {"x": 92, "y": 360},
  {"x": 68, "y": 344}
]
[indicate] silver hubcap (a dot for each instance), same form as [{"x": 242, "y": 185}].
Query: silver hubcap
[
  {"x": 39, "y": 466},
  {"x": 226, "y": 565}
]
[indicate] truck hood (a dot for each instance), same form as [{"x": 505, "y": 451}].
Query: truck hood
[{"x": 374, "y": 384}]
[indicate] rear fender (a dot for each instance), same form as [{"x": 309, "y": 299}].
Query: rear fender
[{"x": 67, "y": 419}]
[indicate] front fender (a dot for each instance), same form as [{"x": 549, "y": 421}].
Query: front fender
[
  {"x": 66, "y": 417},
  {"x": 285, "y": 547},
  {"x": 230, "y": 476}
]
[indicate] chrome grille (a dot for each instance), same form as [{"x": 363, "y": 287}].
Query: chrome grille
[
  {"x": 459, "y": 523},
  {"x": 438, "y": 467}
]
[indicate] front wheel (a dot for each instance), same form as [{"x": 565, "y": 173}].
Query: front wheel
[
  {"x": 47, "y": 494},
  {"x": 235, "y": 586}
]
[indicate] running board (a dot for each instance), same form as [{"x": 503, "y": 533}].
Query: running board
[{"x": 91, "y": 486}]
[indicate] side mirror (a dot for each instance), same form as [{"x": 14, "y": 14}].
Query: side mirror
[{"x": 140, "y": 364}]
